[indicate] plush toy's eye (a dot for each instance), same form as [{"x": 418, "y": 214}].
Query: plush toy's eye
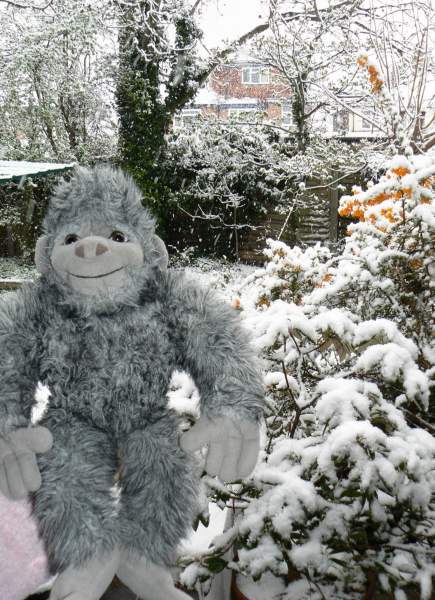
[
  {"x": 71, "y": 238},
  {"x": 118, "y": 236}
]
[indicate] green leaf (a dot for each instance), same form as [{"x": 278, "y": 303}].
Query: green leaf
[
  {"x": 351, "y": 493},
  {"x": 215, "y": 564}
]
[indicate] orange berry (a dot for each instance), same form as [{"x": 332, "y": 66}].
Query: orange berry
[
  {"x": 400, "y": 171},
  {"x": 236, "y": 303}
]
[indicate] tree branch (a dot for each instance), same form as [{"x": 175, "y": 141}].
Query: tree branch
[
  {"x": 194, "y": 7},
  {"x": 26, "y": 6},
  {"x": 220, "y": 56},
  {"x": 316, "y": 14}
]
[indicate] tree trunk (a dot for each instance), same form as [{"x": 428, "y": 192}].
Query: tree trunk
[{"x": 299, "y": 106}]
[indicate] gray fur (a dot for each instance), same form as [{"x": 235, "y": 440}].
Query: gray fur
[
  {"x": 98, "y": 194},
  {"x": 108, "y": 362}
]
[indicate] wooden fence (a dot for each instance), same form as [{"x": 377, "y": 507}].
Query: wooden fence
[{"x": 317, "y": 221}]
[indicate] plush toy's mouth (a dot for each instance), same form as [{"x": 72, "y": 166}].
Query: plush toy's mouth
[{"x": 95, "y": 276}]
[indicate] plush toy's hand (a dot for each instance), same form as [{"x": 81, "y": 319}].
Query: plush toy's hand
[
  {"x": 19, "y": 473},
  {"x": 233, "y": 446}
]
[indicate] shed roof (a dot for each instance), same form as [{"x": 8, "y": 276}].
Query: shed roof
[{"x": 15, "y": 170}]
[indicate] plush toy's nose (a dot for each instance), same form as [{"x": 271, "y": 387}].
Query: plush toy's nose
[{"x": 90, "y": 248}]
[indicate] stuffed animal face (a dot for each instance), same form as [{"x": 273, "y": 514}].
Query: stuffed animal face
[
  {"x": 95, "y": 259},
  {"x": 99, "y": 239}
]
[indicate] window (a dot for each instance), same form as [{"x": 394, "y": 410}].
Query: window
[
  {"x": 187, "y": 117},
  {"x": 255, "y": 75},
  {"x": 240, "y": 113},
  {"x": 346, "y": 122},
  {"x": 341, "y": 121},
  {"x": 360, "y": 124},
  {"x": 287, "y": 114}
]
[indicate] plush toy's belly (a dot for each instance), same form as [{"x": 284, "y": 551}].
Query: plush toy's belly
[{"x": 114, "y": 375}]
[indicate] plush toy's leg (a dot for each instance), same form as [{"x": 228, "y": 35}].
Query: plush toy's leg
[
  {"x": 147, "y": 580},
  {"x": 159, "y": 492},
  {"x": 88, "y": 582},
  {"x": 75, "y": 507}
]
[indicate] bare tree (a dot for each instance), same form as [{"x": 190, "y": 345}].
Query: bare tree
[
  {"x": 314, "y": 48},
  {"x": 55, "y": 81},
  {"x": 401, "y": 38},
  {"x": 26, "y": 5},
  {"x": 308, "y": 46}
]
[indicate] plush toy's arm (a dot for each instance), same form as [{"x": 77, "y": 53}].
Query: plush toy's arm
[
  {"x": 14, "y": 381},
  {"x": 216, "y": 351},
  {"x": 18, "y": 375},
  {"x": 19, "y": 473}
]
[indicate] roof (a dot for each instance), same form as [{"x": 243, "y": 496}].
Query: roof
[
  {"x": 208, "y": 97},
  {"x": 16, "y": 170}
]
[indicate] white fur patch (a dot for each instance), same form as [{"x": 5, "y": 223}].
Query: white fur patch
[
  {"x": 116, "y": 492},
  {"x": 42, "y": 401}
]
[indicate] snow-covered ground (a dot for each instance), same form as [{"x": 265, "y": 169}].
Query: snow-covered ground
[
  {"x": 16, "y": 269},
  {"x": 221, "y": 275}
]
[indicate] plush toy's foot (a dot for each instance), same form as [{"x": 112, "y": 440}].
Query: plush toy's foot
[
  {"x": 88, "y": 582},
  {"x": 147, "y": 580}
]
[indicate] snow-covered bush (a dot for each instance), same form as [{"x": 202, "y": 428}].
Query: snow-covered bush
[
  {"x": 342, "y": 502},
  {"x": 223, "y": 178}
]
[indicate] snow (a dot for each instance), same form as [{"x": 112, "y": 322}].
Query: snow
[
  {"x": 227, "y": 20},
  {"x": 200, "y": 540},
  {"x": 383, "y": 328},
  {"x": 262, "y": 557},
  {"x": 12, "y": 169},
  {"x": 191, "y": 574},
  {"x": 183, "y": 395},
  {"x": 16, "y": 271},
  {"x": 425, "y": 577},
  {"x": 343, "y": 400},
  {"x": 270, "y": 585},
  {"x": 285, "y": 502},
  {"x": 309, "y": 554},
  {"x": 395, "y": 362},
  {"x": 353, "y": 437},
  {"x": 277, "y": 321},
  {"x": 207, "y": 96},
  {"x": 400, "y": 162},
  {"x": 278, "y": 379}
]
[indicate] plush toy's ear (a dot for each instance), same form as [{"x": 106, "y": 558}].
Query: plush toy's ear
[
  {"x": 42, "y": 260},
  {"x": 160, "y": 249}
]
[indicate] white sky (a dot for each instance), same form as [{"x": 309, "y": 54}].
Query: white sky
[{"x": 229, "y": 19}]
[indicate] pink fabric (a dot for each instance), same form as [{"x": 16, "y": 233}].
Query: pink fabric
[{"x": 23, "y": 563}]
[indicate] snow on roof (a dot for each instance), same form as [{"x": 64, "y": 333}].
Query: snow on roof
[
  {"x": 15, "y": 170},
  {"x": 243, "y": 56},
  {"x": 207, "y": 96}
]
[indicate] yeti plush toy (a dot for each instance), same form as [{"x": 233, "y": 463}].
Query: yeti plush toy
[{"x": 113, "y": 486}]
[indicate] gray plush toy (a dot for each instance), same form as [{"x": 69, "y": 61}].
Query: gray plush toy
[{"x": 104, "y": 328}]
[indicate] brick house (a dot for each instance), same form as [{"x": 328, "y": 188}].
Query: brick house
[
  {"x": 243, "y": 88},
  {"x": 246, "y": 86},
  {"x": 236, "y": 89}
]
